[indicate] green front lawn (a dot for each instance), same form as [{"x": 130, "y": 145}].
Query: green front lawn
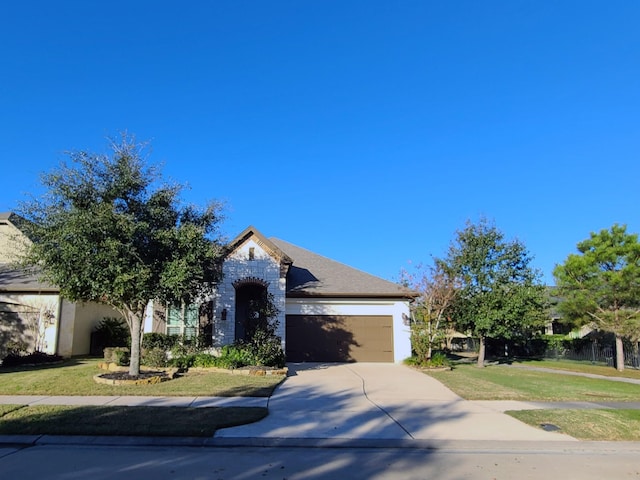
[
  {"x": 75, "y": 377},
  {"x": 123, "y": 421},
  {"x": 502, "y": 382},
  {"x": 596, "y": 425},
  {"x": 506, "y": 383},
  {"x": 582, "y": 367}
]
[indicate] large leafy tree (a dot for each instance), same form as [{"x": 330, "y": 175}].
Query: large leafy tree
[
  {"x": 109, "y": 230},
  {"x": 499, "y": 292},
  {"x": 600, "y": 285}
]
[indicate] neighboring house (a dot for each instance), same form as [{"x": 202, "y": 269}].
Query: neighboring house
[
  {"x": 326, "y": 311},
  {"x": 555, "y": 325},
  {"x": 32, "y": 313}
]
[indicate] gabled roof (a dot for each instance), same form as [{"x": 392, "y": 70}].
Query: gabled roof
[
  {"x": 313, "y": 275},
  {"x": 8, "y": 216},
  {"x": 267, "y": 245},
  {"x": 12, "y": 218}
]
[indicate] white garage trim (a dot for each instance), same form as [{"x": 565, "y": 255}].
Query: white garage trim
[{"x": 398, "y": 309}]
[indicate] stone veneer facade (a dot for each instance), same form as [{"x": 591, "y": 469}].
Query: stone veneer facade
[{"x": 249, "y": 263}]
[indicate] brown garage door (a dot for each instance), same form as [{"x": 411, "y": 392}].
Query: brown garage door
[{"x": 324, "y": 338}]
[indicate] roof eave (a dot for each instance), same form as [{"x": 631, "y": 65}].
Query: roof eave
[
  {"x": 399, "y": 296},
  {"x": 252, "y": 231}
]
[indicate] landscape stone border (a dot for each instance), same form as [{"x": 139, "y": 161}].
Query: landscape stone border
[
  {"x": 152, "y": 380},
  {"x": 171, "y": 372},
  {"x": 249, "y": 371}
]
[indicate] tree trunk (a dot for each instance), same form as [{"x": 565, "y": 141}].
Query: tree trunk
[
  {"x": 430, "y": 337},
  {"x": 136, "y": 330},
  {"x": 619, "y": 353},
  {"x": 480, "y": 363}
]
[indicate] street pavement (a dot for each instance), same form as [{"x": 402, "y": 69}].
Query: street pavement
[
  {"x": 327, "y": 421},
  {"x": 69, "y": 462}
]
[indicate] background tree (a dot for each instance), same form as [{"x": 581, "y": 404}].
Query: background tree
[
  {"x": 437, "y": 291},
  {"x": 600, "y": 285},
  {"x": 107, "y": 230},
  {"x": 499, "y": 292}
]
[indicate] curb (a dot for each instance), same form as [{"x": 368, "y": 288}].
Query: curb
[{"x": 453, "y": 446}]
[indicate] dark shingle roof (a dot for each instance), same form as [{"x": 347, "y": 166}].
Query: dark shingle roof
[
  {"x": 13, "y": 279},
  {"x": 313, "y": 275}
]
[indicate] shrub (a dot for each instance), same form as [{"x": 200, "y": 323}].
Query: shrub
[
  {"x": 181, "y": 349},
  {"x": 112, "y": 332},
  {"x": 439, "y": 359},
  {"x": 35, "y": 358},
  {"x": 419, "y": 340},
  {"x": 183, "y": 363},
  {"x": 411, "y": 361},
  {"x": 235, "y": 356},
  {"x": 205, "y": 360},
  {"x": 154, "y": 357},
  {"x": 266, "y": 350},
  {"x": 116, "y": 355},
  {"x": 17, "y": 348},
  {"x": 160, "y": 340}
]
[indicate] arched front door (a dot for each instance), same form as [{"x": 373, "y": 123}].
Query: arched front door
[{"x": 251, "y": 302}]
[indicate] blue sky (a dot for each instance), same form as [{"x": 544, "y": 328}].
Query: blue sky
[{"x": 366, "y": 131}]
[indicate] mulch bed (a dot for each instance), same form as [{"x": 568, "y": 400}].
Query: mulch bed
[{"x": 126, "y": 376}]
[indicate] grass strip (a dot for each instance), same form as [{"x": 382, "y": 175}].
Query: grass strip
[
  {"x": 596, "y": 425},
  {"x": 4, "y": 409},
  {"x": 507, "y": 383},
  {"x": 75, "y": 377},
  {"x": 124, "y": 421},
  {"x": 581, "y": 367}
]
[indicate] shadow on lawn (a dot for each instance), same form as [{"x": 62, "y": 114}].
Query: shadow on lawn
[
  {"x": 162, "y": 421},
  {"x": 71, "y": 362}
]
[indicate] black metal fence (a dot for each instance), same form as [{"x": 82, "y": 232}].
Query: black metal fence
[
  {"x": 596, "y": 353},
  {"x": 598, "y": 349}
]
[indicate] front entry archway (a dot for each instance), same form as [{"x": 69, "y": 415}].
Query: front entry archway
[{"x": 251, "y": 302}]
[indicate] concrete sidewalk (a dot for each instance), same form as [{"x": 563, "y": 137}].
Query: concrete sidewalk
[{"x": 135, "y": 401}]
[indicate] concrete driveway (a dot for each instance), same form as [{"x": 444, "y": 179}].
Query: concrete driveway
[{"x": 378, "y": 401}]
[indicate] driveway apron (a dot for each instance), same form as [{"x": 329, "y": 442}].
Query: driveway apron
[{"x": 378, "y": 401}]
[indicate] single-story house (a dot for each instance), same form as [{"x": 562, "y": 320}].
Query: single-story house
[{"x": 325, "y": 311}]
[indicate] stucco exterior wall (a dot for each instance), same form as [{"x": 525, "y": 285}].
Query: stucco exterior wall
[
  {"x": 30, "y": 318},
  {"x": 12, "y": 241},
  {"x": 66, "y": 328},
  {"x": 243, "y": 265},
  {"x": 87, "y": 317},
  {"x": 398, "y": 309}
]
